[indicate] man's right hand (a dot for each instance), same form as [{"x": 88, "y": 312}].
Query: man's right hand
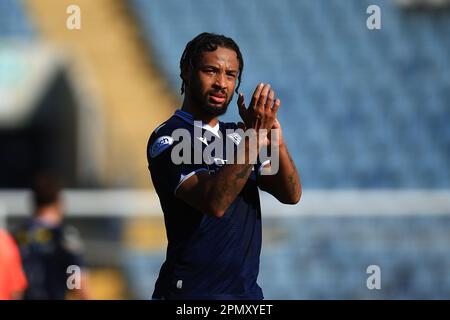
[{"x": 262, "y": 111}]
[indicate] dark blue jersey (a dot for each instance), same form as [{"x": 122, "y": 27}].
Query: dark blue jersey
[
  {"x": 47, "y": 252},
  {"x": 207, "y": 257}
]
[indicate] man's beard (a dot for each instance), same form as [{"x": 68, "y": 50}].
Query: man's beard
[
  {"x": 215, "y": 110},
  {"x": 211, "y": 110}
]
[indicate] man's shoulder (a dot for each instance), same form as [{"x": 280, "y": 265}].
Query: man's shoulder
[
  {"x": 162, "y": 136},
  {"x": 168, "y": 126}
]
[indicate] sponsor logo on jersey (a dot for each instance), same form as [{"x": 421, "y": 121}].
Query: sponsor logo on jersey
[{"x": 161, "y": 144}]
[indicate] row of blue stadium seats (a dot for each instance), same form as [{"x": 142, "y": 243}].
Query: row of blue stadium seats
[
  {"x": 327, "y": 257},
  {"x": 304, "y": 277},
  {"x": 377, "y": 98},
  {"x": 13, "y": 20}
]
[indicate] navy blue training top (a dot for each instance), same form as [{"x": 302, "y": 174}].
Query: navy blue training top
[
  {"x": 207, "y": 257},
  {"x": 47, "y": 252}
]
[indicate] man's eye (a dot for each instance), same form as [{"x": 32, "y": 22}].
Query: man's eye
[{"x": 231, "y": 75}]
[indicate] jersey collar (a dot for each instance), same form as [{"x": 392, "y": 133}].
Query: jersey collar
[{"x": 187, "y": 117}]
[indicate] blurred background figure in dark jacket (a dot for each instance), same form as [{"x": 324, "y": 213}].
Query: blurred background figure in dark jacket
[{"x": 51, "y": 251}]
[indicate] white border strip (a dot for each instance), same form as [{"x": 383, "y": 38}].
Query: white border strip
[{"x": 122, "y": 203}]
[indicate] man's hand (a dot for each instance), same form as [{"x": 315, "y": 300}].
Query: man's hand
[
  {"x": 285, "y": 185},
  {"x": 262, "y": 111},
  {"x": 263, "y": 96}
]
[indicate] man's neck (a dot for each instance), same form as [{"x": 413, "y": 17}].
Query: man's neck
[
  {"x": 49, "y": 215},
  {"x": 198, "y": 114}
]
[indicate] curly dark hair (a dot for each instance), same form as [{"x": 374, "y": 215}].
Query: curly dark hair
[
  {"x": 208, "y": 42},
  {"x": 46, "y": 189}
]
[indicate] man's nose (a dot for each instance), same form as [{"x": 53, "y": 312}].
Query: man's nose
[{"x": 220, "y": 81}]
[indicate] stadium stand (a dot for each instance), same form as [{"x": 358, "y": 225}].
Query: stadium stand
[
  {"x": 108, "y": 55},
  {"x": 371, "y": 105},
  {"x": 13, "y": 20},
  {"x": 361, "y": 109}
]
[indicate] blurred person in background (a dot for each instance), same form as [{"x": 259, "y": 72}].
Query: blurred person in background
[
  {"x": 12, "y": 278},
  {"x": 48, "y": 247}
]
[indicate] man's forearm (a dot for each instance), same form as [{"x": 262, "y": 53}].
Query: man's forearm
[
  {"x": 229, "y": 181},
  {"x": 285, "y": 185},
  {"x": 227, "y": 184}
]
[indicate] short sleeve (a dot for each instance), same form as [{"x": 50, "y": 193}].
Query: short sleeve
[{"x": 164, "y": 172}]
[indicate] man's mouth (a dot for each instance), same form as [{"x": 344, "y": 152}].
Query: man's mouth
[{"x": 217, "y": 97}]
